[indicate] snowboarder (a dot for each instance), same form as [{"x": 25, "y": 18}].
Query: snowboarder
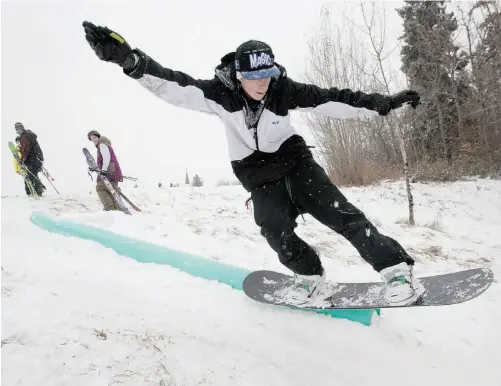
[
  {"x": 253, "y": 95},
  {"x": 108, "y": 164},
  {"x": 31, "y": 158}
]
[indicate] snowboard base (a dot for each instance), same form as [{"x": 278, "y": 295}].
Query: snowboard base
[{"x": 272, "y": 287}]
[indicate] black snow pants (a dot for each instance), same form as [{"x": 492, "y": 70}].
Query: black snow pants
[{"x": 308, "y": 189}]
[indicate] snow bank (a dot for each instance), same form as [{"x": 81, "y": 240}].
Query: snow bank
[{"x": 75, "y": 312}]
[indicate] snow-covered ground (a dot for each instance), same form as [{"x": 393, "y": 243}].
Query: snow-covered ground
[{"x": 76, "y": 313}]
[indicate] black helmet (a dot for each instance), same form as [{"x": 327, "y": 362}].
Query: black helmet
[
  {"x": 18, "y": 139},
  {"x": 93, "y": 132}
]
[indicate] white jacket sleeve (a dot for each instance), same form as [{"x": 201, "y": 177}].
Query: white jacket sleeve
[
  {"x": 105, "y": 152},
  {"x": 176, "y": 87}
]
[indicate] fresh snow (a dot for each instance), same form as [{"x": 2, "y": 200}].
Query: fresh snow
[{"x": 76, "y": 313}]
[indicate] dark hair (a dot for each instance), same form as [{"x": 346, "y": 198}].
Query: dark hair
[{"x": 93, "y": 132}]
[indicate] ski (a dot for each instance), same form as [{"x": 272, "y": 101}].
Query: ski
[{"x": 129, "y": 202}]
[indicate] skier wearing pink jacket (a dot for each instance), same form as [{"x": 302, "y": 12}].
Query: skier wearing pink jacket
[{"x": 108, "y": 164}]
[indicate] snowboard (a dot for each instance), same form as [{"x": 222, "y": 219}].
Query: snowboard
[
  {"x": 13, "y": 149},
  {"x": 446, "y": 289},
  {"x": 93, "y": 165}
]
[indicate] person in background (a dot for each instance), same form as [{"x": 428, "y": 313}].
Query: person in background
[
  {"x": 109, "y": 167},
  {"x": 31, "y": 157},
  {"x": 17, "y": 167}
]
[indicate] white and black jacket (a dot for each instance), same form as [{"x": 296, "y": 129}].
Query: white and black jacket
[{"x": 263, "y": 145}]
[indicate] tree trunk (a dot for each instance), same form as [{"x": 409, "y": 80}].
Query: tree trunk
[
  {"x": 405, "y": 164},
  {"x": 441, "y": 127}
]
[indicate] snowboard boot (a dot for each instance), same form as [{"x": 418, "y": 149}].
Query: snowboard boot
[
  {"x": 306, "y": 288},
  {"x": 402, "y": 288}
]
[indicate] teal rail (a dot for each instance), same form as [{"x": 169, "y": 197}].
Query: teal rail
[{"x": 146, "y": 252}]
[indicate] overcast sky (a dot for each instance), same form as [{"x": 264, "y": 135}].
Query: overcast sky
[{"x": 54, "y": 84}]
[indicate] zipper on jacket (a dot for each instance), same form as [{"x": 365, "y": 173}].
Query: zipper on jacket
[
  {"x": 247, "y": 108},
  {"x": 255, "y": 138},
  {"x": 246, "y": 111},
  {"x": 266, "y": 103}
]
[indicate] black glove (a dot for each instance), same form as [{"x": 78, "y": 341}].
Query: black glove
[
  {"x": 406, "y": 96},
  {"x": 108, "y": 45}
]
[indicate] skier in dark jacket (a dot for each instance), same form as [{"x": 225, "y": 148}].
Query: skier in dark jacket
[
  {"x": 31, "y": 157},
  {"x": 252, "y": 95}
]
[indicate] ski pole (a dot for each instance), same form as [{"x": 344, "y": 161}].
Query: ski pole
[
  {"x": 130, "y": 178},
  {"x": 126, "y": 177},
  {"x": 47, "y": 175},
  {"x": 50, "y": 182},
  {"x": 44, "y": 169},
  {"x": 49, "y": 178}
]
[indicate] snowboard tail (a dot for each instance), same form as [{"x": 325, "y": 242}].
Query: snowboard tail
[{"x": 446, "y": 289}]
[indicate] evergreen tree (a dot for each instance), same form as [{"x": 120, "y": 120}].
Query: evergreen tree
[
  {"x": 487, "y": 75},
  {"x": 197, "y": 181},
  {"x": 433, "y": 65}
]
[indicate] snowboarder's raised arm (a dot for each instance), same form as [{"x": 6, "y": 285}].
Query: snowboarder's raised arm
[
  {"x": 174, "y": 87},
  {"x": 344, "y": 103}
]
